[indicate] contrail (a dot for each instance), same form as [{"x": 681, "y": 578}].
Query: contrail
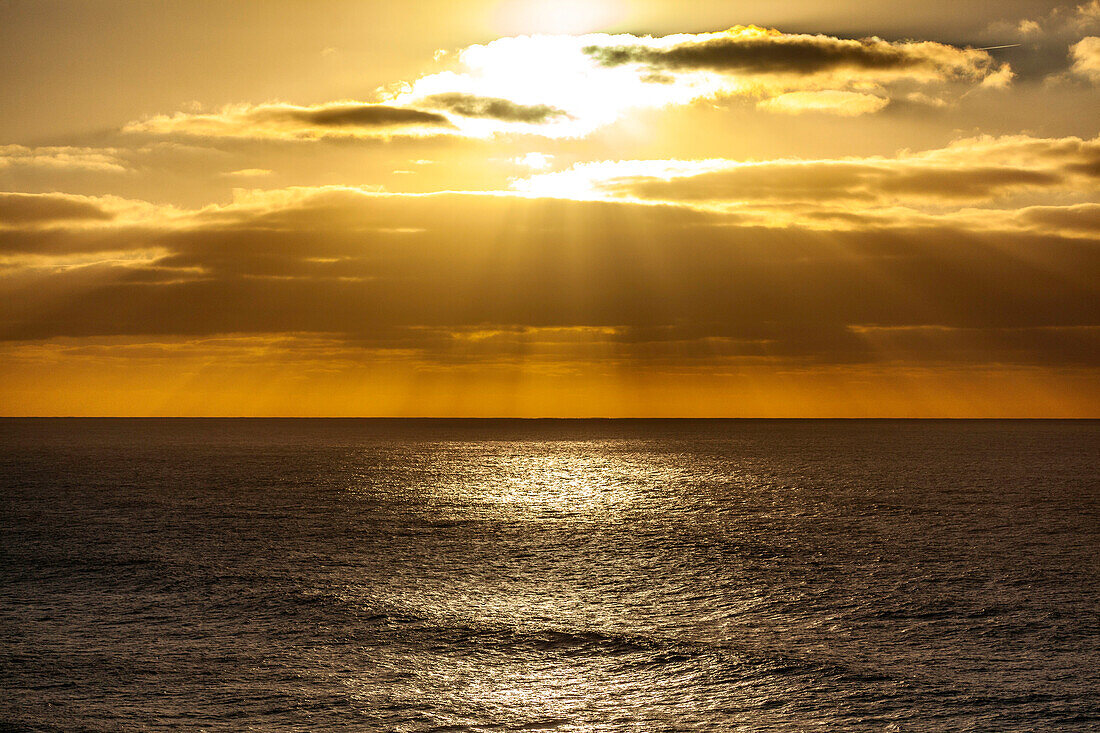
[{"x": 991, "y": 48}]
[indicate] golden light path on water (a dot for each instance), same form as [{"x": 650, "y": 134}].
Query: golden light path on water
[
  {"x": 576, "y": 483},
  {"x": 550, "y": 604}
]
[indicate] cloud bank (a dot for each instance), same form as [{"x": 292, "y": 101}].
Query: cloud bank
[
  {"x": 479, "y": 278},
  {"x": 969, "y": 171}
]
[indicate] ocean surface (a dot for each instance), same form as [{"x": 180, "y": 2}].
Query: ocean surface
[{"x": 404, "y": 575}]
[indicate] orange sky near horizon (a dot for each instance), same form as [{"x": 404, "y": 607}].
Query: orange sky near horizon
[{"x": 516, "y": 208}]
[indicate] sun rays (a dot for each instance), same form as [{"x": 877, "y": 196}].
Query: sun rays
[{"x": 578, "y": 213}]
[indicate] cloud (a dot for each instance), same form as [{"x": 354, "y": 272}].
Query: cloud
[
  {"x": 597, "y": 77},
  {"x": 1040, "y": 51},
  {"x": 1088, "y": 14},
  {"x": 754, "y": 50},
  {"x": 248, "y": 173},
  {"x": 290, "y": 122},
  {"x": 348, "y": 115},
  {"x": 24, "y": 208},
  {"x": 1059, "y": 22},
  {"x": 469, "y": 105},
  {"x": 1082, "y": 218},
  {"x": 59, "y": 158},
  {"x": 969, "y": 170},
  {"x": 1028, "y": 27},
  {"x": 534, "y": 161},
  {"x": 844, "y": 104},
  {"x": 451, "y": 278},
  {"x": 569, "y": 86},
  {"x": 1086, "y": 58},
  {"x": 450, "y": 114}
]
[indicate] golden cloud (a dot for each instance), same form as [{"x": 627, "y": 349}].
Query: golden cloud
[
  {"x": 758, "y": 51},
  {"x": 58, "y": 158},
  {"x": 290, "y": 122},
  {"x": 845, "y": 104},
  {"x": 451, "y": 278},
  {"x": 1086, "y": 58},
  {"x": 978, "y": 169},
  {"x": 568, "y": 86}
]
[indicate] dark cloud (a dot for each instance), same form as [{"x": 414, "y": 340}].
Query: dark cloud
[
  {"x": 976, "y": 183},
  {"x": 662, "y": 280},
  {"x": 337, "y": 120},
  {"x": 352, "y": 115},
  {"x": 24, "y": 208},
  {"x": 797, "y": 54},
  {"x": 1043, "y": 44},
  {"x": 1089, "y": 168},
  {"x": 1084, "y": 218},
  {"x": 470, "y": 105}
]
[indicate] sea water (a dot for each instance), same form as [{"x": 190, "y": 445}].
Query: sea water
[{"x": 405, "y": 575}]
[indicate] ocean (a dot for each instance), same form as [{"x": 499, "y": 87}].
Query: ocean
[{"x": 634, "y": 575}]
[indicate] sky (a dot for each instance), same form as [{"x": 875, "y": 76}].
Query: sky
[{"x": 608, "y": 208}]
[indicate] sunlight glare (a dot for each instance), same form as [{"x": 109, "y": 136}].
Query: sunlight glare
[{"x": 561, "y": 16}]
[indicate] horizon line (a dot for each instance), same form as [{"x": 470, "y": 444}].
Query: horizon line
[{"x": 499, "y": 418}]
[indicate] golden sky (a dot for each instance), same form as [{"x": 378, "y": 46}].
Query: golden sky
[{"x": 517, "y": 208}]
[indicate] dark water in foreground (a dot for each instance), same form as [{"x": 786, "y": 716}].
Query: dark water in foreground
[{"x": 567, "y": 576}]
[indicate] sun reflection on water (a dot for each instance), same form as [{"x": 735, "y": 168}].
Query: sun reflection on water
[{"x": 566, "y": 482}]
